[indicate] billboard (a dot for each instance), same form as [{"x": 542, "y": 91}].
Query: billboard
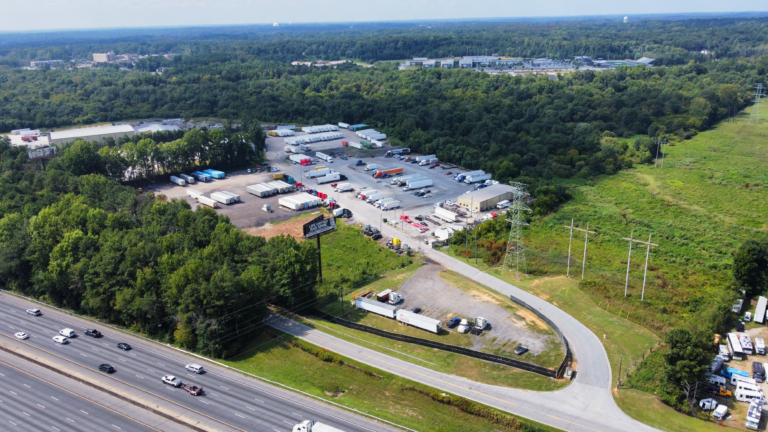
[
  {"x": 41, "y": 153},
  {"x": 318, "y": 226}
]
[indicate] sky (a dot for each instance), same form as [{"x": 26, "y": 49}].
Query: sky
[{"x": 35, "y": 15}]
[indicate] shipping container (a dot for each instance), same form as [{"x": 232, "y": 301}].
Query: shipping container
[
  {"x": 202, "y": 177},
  {"x": 222, "y": 198},
  {"x": 476, "y": 178},
  {"x": 207, "y": 201},
  {"x": 194, "y": 194},
  {"x": 446, "y": 214},
  {"x": 417, "y": 184},
  {"x": 420, "y": 321},
  {"x": 382, "y": 309},
  {"x": 178, "y": 181},
  {"x": 214, "y": 173},
  {"x": 328, "y": 178},
  {"x": 188, "y": 179},
  {"x": 317, "y": 173}
]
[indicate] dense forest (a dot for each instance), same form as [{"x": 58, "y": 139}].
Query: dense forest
[{"x": 84, "y": 242}]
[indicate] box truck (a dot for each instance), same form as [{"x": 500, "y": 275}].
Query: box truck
[
  {"x": 313, "y": 426},
  {"x": 420, "y": 321},
  {"x": 446, "y": 214},
  {"x": 388, "y": 172},
  {"x": 343, "y": 187},
  {"x": 365, "y": 193},
  {"x": 376, "y": 307},
  {"x": 476, "y": 178},
  {"x": 222, "y": 198},
  {"x": 328, "y": 178},
  {"x": 391, "y": 205},
  {"x": 178, "y": 181},
  {"x": 426, "y": 157},
  {"x": 370, "y": 199},
  {"x": 193, "y": 193},
  {"x": 417, "y": 184},
  {"x": 371, "y": 167},
  {"x": 188, "y": 179},
  {"x": 200, "y": 176},
  {"x": 324, "y": 157},
  {"x": 318, "y": 173},
  {"x": 204, "y": 200}
]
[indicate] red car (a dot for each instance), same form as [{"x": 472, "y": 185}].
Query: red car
[
  {"x": 436, "y": 164},
  {"x": 192, "y": 389},
  {"x": 449, "y": 173},
  {"x": 334, "y": 184}
]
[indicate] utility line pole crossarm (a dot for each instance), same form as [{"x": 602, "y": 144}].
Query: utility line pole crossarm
[
  {"x": 631, "y": 240},
  {"x": 587, "y": 232}
]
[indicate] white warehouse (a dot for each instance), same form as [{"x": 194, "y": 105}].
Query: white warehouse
[{"x": 98, "y": 133}]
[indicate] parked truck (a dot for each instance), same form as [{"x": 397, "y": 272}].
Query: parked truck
[
  {"x": 304, "y": 147},
  {"x": 376, "y": 307},
  {"x": 388, "y": 172},
  {"x": 188, "y": 179},
  {"x": 476, "y": 178},
  {"x": 370, "y": 199},
  {"x": 298, "y": 158},
  {"x": 328, "y": 178},
  {"x": 313, "y": 426},
  {"x": 391, "y": 205},
  {"x": 425, "y": 162},
  {"x": 417, "y": 184},
  {"x": 383, "y": 201},
  {"x": 234, "y": 196},
  {"x": 462, "y": 176},
  {"x": 446, "y": 214},
  {"x": 291, "y": 149},
  {"x": 178, "y": 181},
  {"x": 503, "y": 204},
  {"x": 371, "y": 167},
  {"x": 343, "y": 187},
  {"x": 397, "y": 151},
  {"x": 318, "y": 173},
  {"x": 324, "y": 157},
  {"x": 399, "y": 180},
  {"x": 204, "y": 200},
  {"x": 425, "y": 157},
  {"x": 420, "y": 321}
]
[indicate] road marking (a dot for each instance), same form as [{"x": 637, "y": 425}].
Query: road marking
[
  {"x": 117, "y": 426},
  {"x": 121, "y": 359},
  {"x": 151, "y": 370},
  {"x": 41, "y": 406},
  {"x": 12, "y": 327},
  {"x": 36, "y": 338},
  {"x": 71, "y": 419},
  {"x": 56, "y": 428},
  {"x": 2, "y": 374},
  {"x": 252, "y": 409},
  {"x": 83, "y": 355},
  {"x": 259, "y": 400},
  {"x": 295, "y": 414},
  {"x": 95, "y": 349},
  {"x": 26, "y": 414},
  {"x": 161, "y": 364},
  {"x": 13, "y": 392},
  {"x": 82, "y": 412},
  {"x": 239, "y": 415},
  {"x": 204, "y": 402},
  {"x": 12, "y": 423},
  {"x": 224, "y": 387},
  {"x": 25, "y": 385},
  {"x": 53, "y": 398},
  {"x": 139, "y": 377},
  {"x": 214, "y": 394},
  {"x": 287, "y": 422}
]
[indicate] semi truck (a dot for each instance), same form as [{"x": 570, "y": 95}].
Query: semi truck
[
  {"x": 188, "y": 179},
  {"x": 318, "y": 172},
  {"x": 370, "y": 199},
  {"x": 324, "y": 157},
  {"x": 222, "y": 198},
  {"x": 426, "y": 157},
  {"x": 391, "y": 205},
  {"x": 446, "y": 214},
  {"x": 401, "y": 181},
  {"x": 476, "y": 178},
  {"x": 388, "y": 172},
  {"x": 371, "y": 167},
  {"x": 383, "y": 201},
  {"x": 328, "y": 178},
  {"x": 417, "y": 184},
  {"x": 343, "y": 187},
  {"x": 397, "y": 151},
  {"x": 382, "y": 309},
  {"x": 425, "y": 162},
  {"x": 298, "y": 158},
  {"x": 178, "y": 181},
  {"x": 420, "y": 321},
  {"x": 204, "y": 200},
  {"x": 313, "y": 426},
  {"x": 365, "y": 193},
  {"x": 462, "y": 176}
]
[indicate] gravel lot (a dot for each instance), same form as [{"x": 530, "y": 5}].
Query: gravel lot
[{"x": 440, "y": 300}]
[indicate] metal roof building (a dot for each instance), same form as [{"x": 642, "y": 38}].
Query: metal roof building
[
  {"x": 98, "y": 133},
  {"x": 486, "y": 198}
]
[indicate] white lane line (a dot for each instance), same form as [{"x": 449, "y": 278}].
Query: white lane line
[
  {"x": 150, "y": 370},
  {"x": 259, "y": 400},
  {"x": 214, "y": 394},
  {"x": 56, "y": 428},
  {"x": 13, "y": 392},
  {"x": 84, "y": 412},
  {"x": 25, "y": 385},
  {"x": 12, "y": 423},
  {"x": 252, "y": 409},
  {"x": 12, "y": 327},
  {"x": 204, "y": 402},
  {"x": 2, "y": 374},
  {"x": 139, "y": 376},
  {"x": 295, "y": 414},
  {"x": 161, "y": 364},
  {"x": 105, "y": 344},
  {"x": 36, "y": 338},
  {"x": 239, "y": 415},
  {"x": 95, "y": 349},
  {"x": 121, "y": 359},
  {"x": 71, "y": 419},
  {"x": 117, "y": 427},
  {"x": 224, "y": 387},
  {"x": 53, "y": 398},
  {"x": 26, "y": 414},
  {"x": 287, "y": 422},
  {"x": 83, "y": 355},
  {"x": 275, "y": 430},
  {"x": 41, "y": 406}
]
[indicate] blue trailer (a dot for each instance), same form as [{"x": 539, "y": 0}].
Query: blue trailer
[
  {"x": 200, "y": 176},
  {"x": 215, "y": 174}
]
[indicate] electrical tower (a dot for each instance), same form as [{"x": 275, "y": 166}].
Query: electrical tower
[
  {"x": 756, "y": 110},
  {"x": 515, "y": 256}
]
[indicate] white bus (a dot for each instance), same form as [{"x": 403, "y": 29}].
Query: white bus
[
  {"x": 733, "y": 343},
  {"x": 748, "y": 393},
  {"x": 754, "y": 413}
]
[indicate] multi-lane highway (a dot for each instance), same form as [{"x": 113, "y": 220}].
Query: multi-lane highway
[{"x": 231, "y": 401}]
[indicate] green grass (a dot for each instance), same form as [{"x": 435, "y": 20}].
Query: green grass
[{"x": 353, "y": 386}]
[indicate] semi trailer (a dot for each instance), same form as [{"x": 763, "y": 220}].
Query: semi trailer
[
  {"x": 420, "y": 321},
  {"x": 476, "y": 178},
  {"x": 329, "y": 178},
  {"x": 378, "y": 308},
  {"x": 204, "y": 200},
  {"x": 223, "y": 198},
  {"x": 417, "y": 184},
  {"x": 188, "y": 179},
  {"x": 446, "y": 214},
  {"x": 178, "y": 181}
]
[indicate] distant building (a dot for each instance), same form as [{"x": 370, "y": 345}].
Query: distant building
[
  {"x": 417, "y": 61},
  {"x": 583, "y": 59},
  {"x": 430, "y": 64},
  {"x": 646, "y": 61},
  {"x": 156, "y": 127},
  {"x": 104, "y": 57},
  {"x": 98, "y": 133},
  {"x": 447, "y": 63},
  {"x": 477, "y": 61},
  {"x": 486, "y": 198},
  {"x": 39, "y": 63}
]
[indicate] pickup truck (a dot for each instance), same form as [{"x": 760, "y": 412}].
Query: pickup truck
[{"x": 192, "y": 389}]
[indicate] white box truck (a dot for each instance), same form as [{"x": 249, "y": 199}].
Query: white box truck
[
  {"x": 383, "y": 201},
  {"x": 370, "y": 199},
  {"x": 503, "y": 204},
  {"x": 328, "y": 178},
  {"x": 194, "y": 194},
  {"x": 343, "y": 187},
  {"x": 391, "y": 205},
  {"x": 318, "y": 173},
  {"x": 204, "y": 200},
  {"x": 188, "y": 179},
  {"x": 324, "y": 157},
  {"x": 446, "y": 214},
  {"x": 417, "y": 184},
  {"x": 313, "y": 426},
  {"x": 222, "y": 198},
  {"x": 420, "y": 321},
  {"x": 371, "y": 167},
  {"x": 344, "y": 125},
  {"x": 178, "y": 181},
  {"x": 376, "y": 307},
  {"x": 401, "y": 179},
  {"x": 476, "y": 178},
  {"x": 426, "y": 157}
]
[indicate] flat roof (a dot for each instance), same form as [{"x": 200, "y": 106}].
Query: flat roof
[
  {"x": 156, "y": 128},
  {"x": 487, "y": 193},
  {"x": 91, "y": 131}
]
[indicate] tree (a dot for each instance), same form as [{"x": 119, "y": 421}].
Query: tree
[
  {"x": 750, "y": 266},
  {"x": 687, "y": 361}
]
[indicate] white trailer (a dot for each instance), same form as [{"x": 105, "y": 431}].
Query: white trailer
[
  {"x": 420, "y": 321},
  {"x": 318, "y": 173},
  {"x": 261, "y": 190},
  {"x": 417, "y": 184},
  {"x": 391, "y": 205},
  {"x": 344, "y": 125},
  {"x": 426, "y": 157},
  {"x": 343, "y": 187},
  {"x": 194, "y": 194},
  {"x": 446, "y": 214},
  {"x": 370, "y": 199},
  {"x": 371, "y": 167},
  {"x": 383, "y": 201},
  {"x": 235, "y": 196},
  {"x": 398, "y": 180},
  {"x": 291, "y": 149},
  {"x": 178, "y": 181},
  {"x": 222, "y": 198},
  {"x": 376, "y": 307},
  {"x": 324, "y": 157},
  {"x": 356, "y": 145},
  {"x": 366, "y": 193},
  {"x": 503, "y": 204},
  {"x": 188, "y": 179},
  {"x": 204, "y": 200},
  {"x": 762, "y": 302},
  {"x": 428, "y": 161},
  {"x": 304, "y": 147},
  {"x": 328, "y": 178},
  {"x": 297, "y": 158},
  {"x": 313, "y": 426},
  {"x": 476, "y": 178}
]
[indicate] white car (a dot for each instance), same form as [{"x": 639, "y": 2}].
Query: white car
[
  {"x": 34, "y": 312},
  {"x": 194, "y": 368},
  {"x": 171, "y": 380},
  {"x": 21, "y": 335},
  {"x": 61, "y": 340},
  {"x": 67, "y": 332}
]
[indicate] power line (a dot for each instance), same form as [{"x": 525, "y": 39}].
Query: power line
[
  {"x": 756, "y": 110},
  {"x": 515, "y": 255}
]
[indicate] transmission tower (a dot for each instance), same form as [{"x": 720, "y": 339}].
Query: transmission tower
[
  {"x": 515, "y": 256},
  {"x": 756, "y": 110}
]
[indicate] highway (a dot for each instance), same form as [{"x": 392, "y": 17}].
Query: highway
[{"x": 231, "y": 401}]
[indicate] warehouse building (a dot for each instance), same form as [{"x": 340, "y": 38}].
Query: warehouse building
[
  {"x": 98, "y": 133},
  {"x": 486, "y": 198}
]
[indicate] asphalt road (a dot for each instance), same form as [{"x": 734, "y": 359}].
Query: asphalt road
[
  {"x": 31, "y": 402},
  {"x": 236, "y": 402}
]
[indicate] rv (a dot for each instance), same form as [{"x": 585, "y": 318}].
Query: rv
[{"x": 733, "y": 343}]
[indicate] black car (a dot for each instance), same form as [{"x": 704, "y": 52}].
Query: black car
[
  {"x": 416, "y": 310},
  {"x": 106, "y": 368},
  {"x": 424, "y": 223},
  {"x": 376, "y": 236},
  {"x": 124, "y": 346},
  {"x": 92, "y": 333},
  {"x": 521, "y": 350}
]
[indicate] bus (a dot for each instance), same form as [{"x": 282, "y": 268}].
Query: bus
[{"x": 733, "y": 343}]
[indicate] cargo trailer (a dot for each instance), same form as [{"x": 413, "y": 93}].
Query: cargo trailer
[
  {"x": 233, "y": 195},
  {"x": 399, "y": 180},
  {"x": 371, "y": 167},
  {"x": 320, "y": 128},
  {"x": 222, "y": 198},
  {"x": 388, "y": 172},
  {"x": 194, "y": 194},
  {"x": 382, "y": 309},
  {"x": 300, "y": 201},
  {"x": 317, "y": 173},
  {"x": 282, "y": 186},
  {"x": 298, "y": 158},
  {"x": 426, "y": 157},
  {"x": 383, "y": 201},
  {"x": 343, "y": 125},
  {"x": 356, "y": 145},
  {"x": 424, "y": 162},
  {"x": 420, "y": 321},
  {"x": 203, "y": 177},
  {"x": 397, "y": 151},
  {"x": 377, "y": 137},
  {"x": 417, "y": 184},
  {"x": 286, "y": 127},
  {"x": 304, "y": 147},
  {"x": 281, "y": 132},
  {"x": 391, "y": 205},
  {"x": 357, "y": 127},
  {"x": 291, "y": 149},
  {"x": 188, "y": 179},
  {"x": 313, "y": 426},
  {"x": 260, "y": 190},
  {"x": 207, "y": 201},
  {"x": 370, "y": 199},
  {"x": 328, "y": 178},
  {"x": 365, "y": 144},
  {"x": 324, "y": 157},
  {"x": 214, "y": 173},
  {"x": 343, "y": 187},
  {"x": 476, "y": 178},
  {"x": 446, "y": 215},
  {"x": 178, "y": 181},
  {"x": 462, "y": 176},
  {"x": 759, "y": 317}
]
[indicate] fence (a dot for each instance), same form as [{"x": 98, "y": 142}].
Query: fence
[{"x": 450, "y": 348}]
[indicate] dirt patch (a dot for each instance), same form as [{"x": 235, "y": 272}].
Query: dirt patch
[
  {"x": 337, "y": 394},
  {"x": 530, "y": 317},
  {"x": 293, "y": 228},
  {"x": 485, "y": 296}
]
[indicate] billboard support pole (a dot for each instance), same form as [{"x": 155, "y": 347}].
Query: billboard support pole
[{"x": 319, "y": 260}]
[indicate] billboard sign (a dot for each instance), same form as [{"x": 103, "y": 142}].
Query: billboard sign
[
  {"x": 41, "y": 153},
  {"x": 318, "y": 226}
]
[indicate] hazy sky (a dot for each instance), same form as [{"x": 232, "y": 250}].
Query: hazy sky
[{"x": 23, "y": 15}]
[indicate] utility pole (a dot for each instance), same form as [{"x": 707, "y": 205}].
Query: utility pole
[
  {"x": 631, "y": 240},
  {"x": 570, "y": 240},
  {"x": 586, "y": 240},
  {"x": 586, "y": 233},
  {"x": 756, "y": 110},
  {"x": 618, "y": 381}
]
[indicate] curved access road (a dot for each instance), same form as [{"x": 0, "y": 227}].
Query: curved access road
[{"x": 585, "y": 405}]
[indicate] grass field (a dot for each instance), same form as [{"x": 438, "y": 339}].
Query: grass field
[{"x": 357, "y": 386}]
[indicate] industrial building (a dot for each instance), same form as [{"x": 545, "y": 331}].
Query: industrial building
[
  {"x": 156, "y": 127},
  {"x": 104, "y": 57},
  {"x": 486, "y": 198},
  {"x": 98, "y": 133}
]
